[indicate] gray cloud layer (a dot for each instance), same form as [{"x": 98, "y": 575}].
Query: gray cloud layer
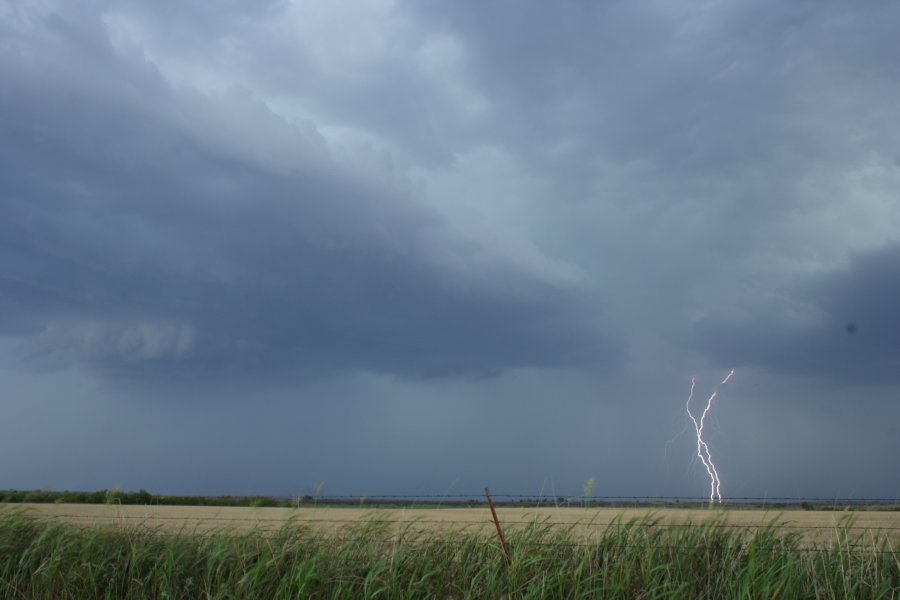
[
  {"x": 150, "y": 227},
  {"x": 665, "y": 142},
  {"x": 843, "y": 324},
  {"x": 734, "y": 159}
]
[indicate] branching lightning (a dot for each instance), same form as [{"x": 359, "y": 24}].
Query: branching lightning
[{"x": 715, "y": 484}]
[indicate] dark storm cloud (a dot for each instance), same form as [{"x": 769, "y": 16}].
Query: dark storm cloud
[
  {"x": 842, "y": 325},
  {"x": 153, "y": 230},
  {"x": 704, "y": 146},
  {"x": 396, "y": 89},
  {"x": 731, "y": 103}
]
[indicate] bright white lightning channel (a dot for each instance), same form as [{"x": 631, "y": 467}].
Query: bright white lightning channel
[{"x": 715, "y": 485}]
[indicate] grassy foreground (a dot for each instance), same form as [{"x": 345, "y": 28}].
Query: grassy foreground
[{"x": 45, "y": 559}]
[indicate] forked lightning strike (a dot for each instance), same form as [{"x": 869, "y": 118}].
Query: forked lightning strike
[{"x": 715, "y": 485}]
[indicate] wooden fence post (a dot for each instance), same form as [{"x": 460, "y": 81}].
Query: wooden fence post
[{"x": 487, "y": 493}]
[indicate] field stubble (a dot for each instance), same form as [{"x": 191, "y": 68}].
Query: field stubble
[{"x": 585, "y": 525}]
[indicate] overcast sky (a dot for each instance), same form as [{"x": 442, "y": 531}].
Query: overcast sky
[{"x": 414, "y": 246}]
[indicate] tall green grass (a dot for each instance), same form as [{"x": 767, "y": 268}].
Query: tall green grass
[{"x": 637, "y": 559}]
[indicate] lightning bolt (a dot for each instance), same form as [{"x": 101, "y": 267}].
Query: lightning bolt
[{"x": 715, "y": 484}]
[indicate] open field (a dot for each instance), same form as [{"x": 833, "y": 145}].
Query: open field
[
  {"x": 586, "y": 524},
  {"x": 95, "y": 551}
]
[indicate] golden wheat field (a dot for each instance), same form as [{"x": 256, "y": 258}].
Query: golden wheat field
[{"x": 814, "y": 527}]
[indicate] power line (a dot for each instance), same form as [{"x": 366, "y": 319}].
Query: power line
[{"x": 538, "y": 498}]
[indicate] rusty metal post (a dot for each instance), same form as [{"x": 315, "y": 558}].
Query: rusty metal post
[{"x": 487, "y": 493}]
